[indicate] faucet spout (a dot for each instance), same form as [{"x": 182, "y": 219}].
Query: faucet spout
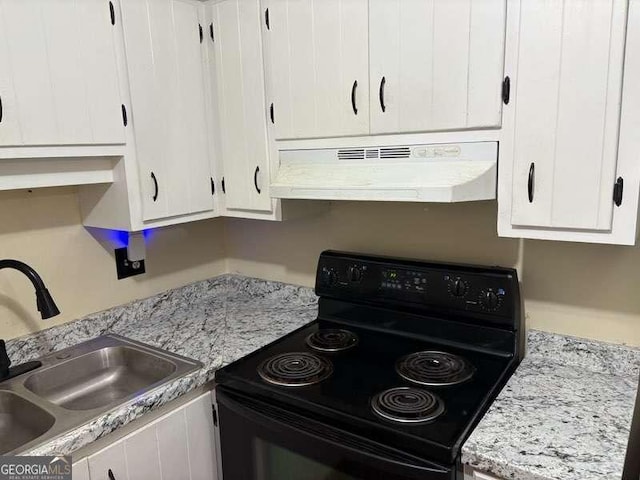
[{"x": 44, "y": 301}]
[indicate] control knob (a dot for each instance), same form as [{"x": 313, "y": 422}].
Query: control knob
[
  {"x": 329, "y": 277},
  {"x": 354, "y": 274},
  {"x": 489, "y": 300},
  {"x": 458, "y": 287}
]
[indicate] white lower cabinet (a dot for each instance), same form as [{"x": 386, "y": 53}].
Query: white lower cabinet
[
  {"x": 178, "y": 446},
  {"x": 80, "y": 470}
]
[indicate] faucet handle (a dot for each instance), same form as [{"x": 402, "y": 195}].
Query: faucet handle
[{"x": 5, "y": 362}]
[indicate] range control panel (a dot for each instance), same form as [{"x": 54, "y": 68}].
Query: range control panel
[{"x": 490, "y": 291}]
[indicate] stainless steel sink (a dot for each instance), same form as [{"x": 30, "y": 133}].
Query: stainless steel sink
[
  {"x": 99, "y": 378},
  {"x": 80, "y": 383},
  {"x": 21, "y": 421}
]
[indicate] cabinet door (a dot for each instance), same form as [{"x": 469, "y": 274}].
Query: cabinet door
[
  {"x": 436, "y": 65},
  {"x": 568, "y": 84},
  {"x": 80, "y": 470},
  {"x": 109, "y": 463},
  {"x": 241, "y": 104},
  {"x": 59, "y": 77},
  {"x": 141, "y": 450},
  {"x": 166, "y": 75},
  {"x": 201, "y": 439},
  {"x": 318, "y": 67}
]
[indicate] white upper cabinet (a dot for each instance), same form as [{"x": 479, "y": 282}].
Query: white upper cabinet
[
  {"x": 166, "y": 70},
  {"x": 59, "y": 77},
  {"x": 241, "y": 129},
  {"x": 561, "y": 140},
  {"x": 436, "y": 65},
  {"x": 317, "y": 67}
]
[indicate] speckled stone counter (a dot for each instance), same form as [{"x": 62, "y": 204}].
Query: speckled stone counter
[
  {"x": 564, "y": 415},
  {"x": 216, "y": 321}
]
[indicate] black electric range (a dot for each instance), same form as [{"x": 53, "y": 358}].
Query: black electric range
[{"x": 404, "y": 359}]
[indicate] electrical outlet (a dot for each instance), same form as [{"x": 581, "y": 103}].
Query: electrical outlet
[{"x": 125, "y": 267}]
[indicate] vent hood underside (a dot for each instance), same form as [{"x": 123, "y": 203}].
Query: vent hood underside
[{"x": 414, "y": 173}]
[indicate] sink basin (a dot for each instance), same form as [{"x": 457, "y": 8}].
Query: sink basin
[
  {"x": 20, "y": 421},
  {"x": 100, "y": 378},
  {"x": 79, "y": 384}
]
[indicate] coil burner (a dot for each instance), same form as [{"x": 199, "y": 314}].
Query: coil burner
[
  {"x": 296, "y": 369},
  {"x": 407, "y": 405},
  {"x": 332, "y": 340},
  {"x": 434, "y": 369}
]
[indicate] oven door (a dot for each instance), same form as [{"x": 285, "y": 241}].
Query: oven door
[{"x": 262, "y": 442}]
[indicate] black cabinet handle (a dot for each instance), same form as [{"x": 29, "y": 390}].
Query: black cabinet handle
[
  {"x": 506, "y": 90},
  {"x": 271, "y": 114},
  {"x": 224, "y": 190},
  {"x": 266, "y": 19},
  {"x": 112, "y": 13},
  {"x": 383, "y": 82},
  {"x": 353, "y": 97},
  {"x": 530, "y": 182},
  {"x": 125, "y": 120},
  {"x": 155, "y": 184},
  {"x": 200, "y": 33},
  {"x": 0, "y": 108},
  {"x": 111, "y": 475},
  {"x": 255, "y": 180},
  {"x": 213, "y": 186},
  {"x": 213, "y": 39}
]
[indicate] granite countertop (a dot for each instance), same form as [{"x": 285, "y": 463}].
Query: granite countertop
[
  {"x": 215, "y": 321},
  {"x": 565, "y": 413}
]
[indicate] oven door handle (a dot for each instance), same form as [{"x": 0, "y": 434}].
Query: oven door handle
[{"x": 370, "y": 452}]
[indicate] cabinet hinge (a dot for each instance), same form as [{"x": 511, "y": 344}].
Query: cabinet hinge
[
  {"x": 506, "y": 90},
  {"x": 618, "y": 189},
  {"x": 125, "y": 120},
  {"x": 214, "y": 413},
  {"x": 267, "y": 20},
  {"x": 200, "y": 33},
  {"x": 112, "y": 13},
  {"x": 213, "y": 39}
]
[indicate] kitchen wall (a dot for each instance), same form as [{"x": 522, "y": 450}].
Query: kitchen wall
[
  {"x": 578, "y": 289},
  {"x": 43, "y": 228}
]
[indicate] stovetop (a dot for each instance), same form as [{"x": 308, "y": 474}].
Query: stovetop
[
  {"x": 368, "y": 369},
  {"x": 385, "y": 338}
]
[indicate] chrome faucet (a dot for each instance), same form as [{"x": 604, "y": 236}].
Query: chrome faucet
[{"x": 47, "y": 308}]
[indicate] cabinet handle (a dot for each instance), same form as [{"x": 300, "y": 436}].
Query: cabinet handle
[
  {"x": 271, "y": 114},
  {"x": 0, "y": 108},
  {"x": 530, "y": 182},
  {"x": 224, "y": 190},
  {"x": 506, "y": 90},
  {"x": 213, "y": 186},
  {"x": 111, "y": 475},
  {"x": 125, "y": 120},
  {"x": 353, "y": 97},
  {"x": 155, "y": 185},
  {"x": 213, "y": 39},
  {"x": 200, "y": 33},
  {"x": 383, "y": 82},
  {"x": 255, "y": 180},
  {"x": 112, "y": 13},
  {"x": 266, "y": 19}
]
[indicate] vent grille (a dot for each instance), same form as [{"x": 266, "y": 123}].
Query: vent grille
[
  {"x": 395, "y": 152},
  {"x": 373, "y": 153},
  {"x": 351, "y": 154}
]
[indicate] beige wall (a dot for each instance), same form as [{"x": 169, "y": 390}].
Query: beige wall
[
  {"x": 44, "y": 229},
  {"x": 580, "y": 289}
]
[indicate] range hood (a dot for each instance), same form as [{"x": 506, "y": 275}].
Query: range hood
[{"x": 409, "y": 173}]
